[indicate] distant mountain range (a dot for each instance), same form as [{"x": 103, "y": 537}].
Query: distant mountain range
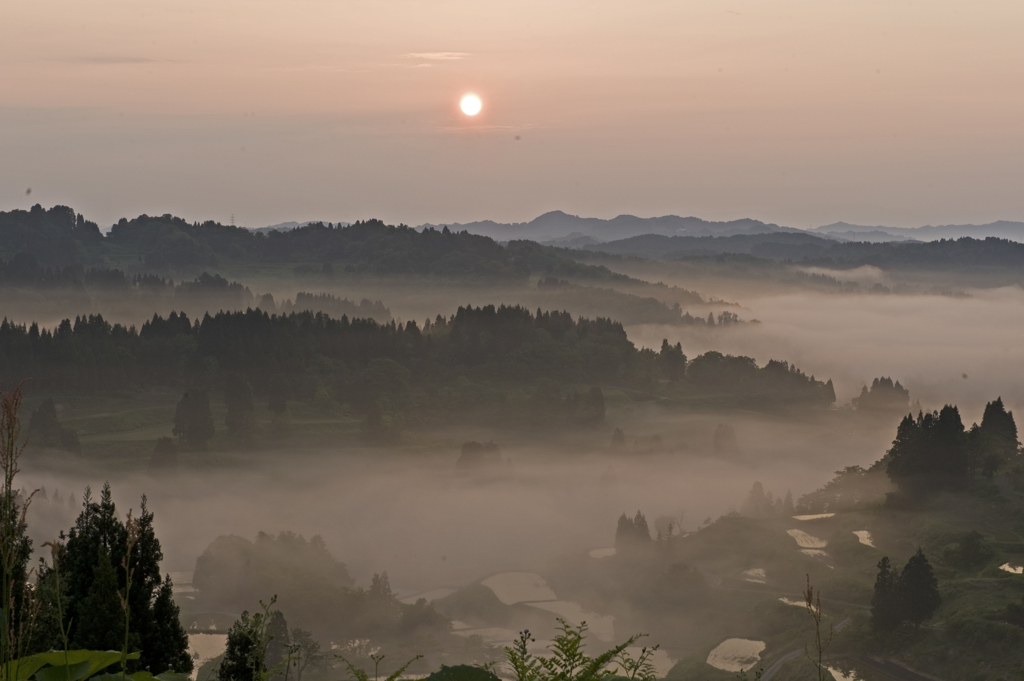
[
  {"x": 561, "y": 229},
  {"x": 1002, "y": 229},
  {"x": 557, "y": 226}
]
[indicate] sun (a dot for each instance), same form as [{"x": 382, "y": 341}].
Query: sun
[{"x": 470, "y": 105}]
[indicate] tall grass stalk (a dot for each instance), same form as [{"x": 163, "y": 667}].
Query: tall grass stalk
[
  {"x": 12, "y": 525},
  {"x": 55, "y": 557},
  {"x": 819, "y": 655},
  {"x": 132, "y": 527}
]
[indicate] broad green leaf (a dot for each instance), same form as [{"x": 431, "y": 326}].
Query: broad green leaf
[
  {"x": 118, "y": 676},
  {"x": 72, "y": 672},
  {"x": 165, "y": 676},
  {"x": 23, "y": 668},
  {"x": 172, "y": 676}
]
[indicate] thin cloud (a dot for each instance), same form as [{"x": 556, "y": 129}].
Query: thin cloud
[
  {"x": 437, "y": 56},
  {"x": 95, "y": 59}
]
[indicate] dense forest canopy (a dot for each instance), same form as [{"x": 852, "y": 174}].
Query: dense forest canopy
[{"x": 363, "y": 362}]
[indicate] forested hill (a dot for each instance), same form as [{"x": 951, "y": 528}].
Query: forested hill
[
  {"x": 472, "y": 360},
  {"x": 809, "y": 249},
  {"x": 59, "y": 238}
]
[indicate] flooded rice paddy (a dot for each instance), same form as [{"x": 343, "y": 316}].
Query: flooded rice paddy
[
  {"x": 519, "y": 587},
  {"x": 806, "y": 541},
  {"x": 864, "y": 537},
  {"x": 205, "y": 647},
  {"x": 736, "y": 654},
  {"x": 756, "y": 575}
]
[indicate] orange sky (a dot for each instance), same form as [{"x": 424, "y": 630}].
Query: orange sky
[{"x": 798, "y": 112}]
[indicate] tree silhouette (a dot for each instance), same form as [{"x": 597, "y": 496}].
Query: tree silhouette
[
  {"x": 995, "y": 441},
  {"x": 168, "y": 642},
  {"x": 193, "y": 419},
  {"x": 918, "y": 590},
  {"x": 885, "y": 603},
  {"x": 100, "y": 618},
  {"x": 931, "y": 452}
]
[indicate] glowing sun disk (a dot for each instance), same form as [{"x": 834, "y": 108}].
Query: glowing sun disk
[{"x": 470, "y": 105}]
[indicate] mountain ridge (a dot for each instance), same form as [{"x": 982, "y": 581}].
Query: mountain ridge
[{"x": 560, "y": 228}]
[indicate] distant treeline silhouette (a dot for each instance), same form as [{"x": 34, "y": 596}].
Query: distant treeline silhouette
[
  {"x": 58, "y": 237},
  {"x": 462, "y": 362}
]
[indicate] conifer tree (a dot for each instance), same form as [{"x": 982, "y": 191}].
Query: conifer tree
[
  {"x": 100, "y": 618},
  {"x": 98, "y": 530},
  {"x": 995, "y": 441},
  {"x": 885, "y": 603},
  {"x": 167, "y": 647},
  {"x": 918, "y": 590},
  {"x": 632, "y": 533}
]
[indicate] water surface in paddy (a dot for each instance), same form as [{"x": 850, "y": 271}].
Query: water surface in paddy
[
  {"x": 519, "y": 587},
  {"x": 806, "y": 541},
  {"x": 205, "y": 647},
  {"x": 864, "y": 537},
  {"x": 755, "y": 575},
  {"x": 736, "y": 654}
]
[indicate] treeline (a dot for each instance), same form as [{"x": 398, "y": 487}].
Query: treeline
[
  {"x": 24, "y": 271},
  {"x": 458, "y": 364},
  {"x": 884, "y": 395},
  {"x": 330, "y": 305},
  {"x": 59, "y": 237},
  {"x": 932, "y": 452},
  {"x": 628, "y": 308},
  {"x": 965, "y": 253},
  {"x": 935, "y": 451}
]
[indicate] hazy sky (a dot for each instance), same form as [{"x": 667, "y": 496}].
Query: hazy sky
[{"x": 803, "y": 113}]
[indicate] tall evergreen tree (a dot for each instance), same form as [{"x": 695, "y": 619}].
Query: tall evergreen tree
[
  {"x": 99, "y": 616},
  {"x": 672, "y": 360},
  {"x": 98, "y": 530},
  {"x": 918, "y": 590},
  {"x": 995, "y": 441},
  {"x": 167, "y": 646},
  {"x": 931, "y": 452},
  {"x": 885, "y": 603}
]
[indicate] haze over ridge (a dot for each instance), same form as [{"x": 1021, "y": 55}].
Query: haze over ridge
[{"x": 558, "y": 225}]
